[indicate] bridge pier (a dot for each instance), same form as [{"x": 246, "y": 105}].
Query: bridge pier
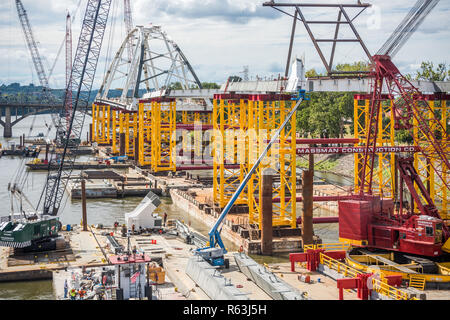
[{"x": 7, "y": 127}]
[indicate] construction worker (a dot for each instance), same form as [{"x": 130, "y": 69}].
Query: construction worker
[
  {"x": 73, "y": 294},
  {"x": 66, "y": 289},
  {"x": 81, "y": 292}
]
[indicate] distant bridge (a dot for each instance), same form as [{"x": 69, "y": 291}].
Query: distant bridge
[{"x": 20, "y": 111}]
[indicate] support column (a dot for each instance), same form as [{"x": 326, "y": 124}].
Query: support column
[
  {"x": 7, "y": 130},
  {"x": 83, "y": 202},
  {"x": 136, "y": 151},
  {"x": 266, "y": 208},
  {"x": 307, "y": 194},
  {"x": 122, "y": 144},
  {"x": 47, "y": 148}
]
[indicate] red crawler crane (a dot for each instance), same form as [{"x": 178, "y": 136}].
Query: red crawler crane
[
  {"x": 423, "y": 234},
  {"x": 368, "y": 220}
]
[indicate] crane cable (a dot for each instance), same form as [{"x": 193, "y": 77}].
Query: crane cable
[
  {"x": 62, "y": 43},
  {"x": 19, "y": 179}
]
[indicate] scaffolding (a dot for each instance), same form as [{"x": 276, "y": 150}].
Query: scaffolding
[
  {"x": 101, "y": 123},
  {"x": 145, "y": 133},
  {"x": 163, "y": 142},
  {"x": 230, "y": 146},
  {"x": 383, "y": 183},
  {"x": 425, "y": 166},
  {"x": 266, "y": 113}
]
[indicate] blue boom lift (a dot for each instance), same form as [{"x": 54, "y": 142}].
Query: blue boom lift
[{"x": 213, "y": 254}]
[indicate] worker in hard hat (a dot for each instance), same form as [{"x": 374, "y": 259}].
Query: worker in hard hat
[
  {"x": 73, "y": 294},
  {"x": 81, "y": 292}
]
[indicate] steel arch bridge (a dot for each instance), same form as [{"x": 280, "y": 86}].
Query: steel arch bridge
[{"x": 156, "y": 62}]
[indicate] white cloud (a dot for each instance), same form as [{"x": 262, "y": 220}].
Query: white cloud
[{"x": 218, "y": 37}]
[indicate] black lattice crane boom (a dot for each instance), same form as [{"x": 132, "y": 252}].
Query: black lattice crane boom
[
  {"x": 39, "y": 230},
  {"x": 68, "y": 97},
  {"x": 128, "y": 19},
  {"x": 34, "y": 51},
  {"x": 81, "y": 80}
]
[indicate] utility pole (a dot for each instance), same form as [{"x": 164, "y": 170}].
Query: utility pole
[
  {"x": 266, "y": 209},
  {"x": 83, "y": 203}
]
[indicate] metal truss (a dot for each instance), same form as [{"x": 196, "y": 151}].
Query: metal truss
[
  {"x": 156, "y": 62},
  {"x": 343, "y": 18},
  {"x": 34, "y": 51}
]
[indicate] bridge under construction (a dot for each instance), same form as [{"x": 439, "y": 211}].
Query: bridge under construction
[{"x": 229, "y": 157}]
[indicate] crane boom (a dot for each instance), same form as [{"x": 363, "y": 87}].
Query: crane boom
[
  {"x": 407, "y": 27},
  {"x": 82, "y": 77},
  {"x": 40, "y": 231},
  {"x": 68, "y": 97},
  {"x": 34, "y": 51},
  {"x": 31, "y": 43},
  {"x": 128, "y": 18}
]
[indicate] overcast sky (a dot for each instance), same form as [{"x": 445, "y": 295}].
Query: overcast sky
[{"x": 219, "y": 37}]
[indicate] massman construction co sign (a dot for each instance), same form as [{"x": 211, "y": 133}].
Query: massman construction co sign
[{"x": 324, "y": 150}]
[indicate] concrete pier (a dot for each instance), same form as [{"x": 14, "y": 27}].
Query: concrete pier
[
  {"x": 266, "y": 225},
  {"x": 7, "y": 126}
]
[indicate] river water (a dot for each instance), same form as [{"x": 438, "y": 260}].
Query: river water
[{"x": 105, "y": 211}]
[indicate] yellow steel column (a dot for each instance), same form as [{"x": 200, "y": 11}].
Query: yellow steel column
[
  {"x": 215, "y": 154},
  {"x": 103, "y": 134},
  {"x": 94, "y": 122},
  {"x": 141, "y": 133},
  {"x": 127, "y": 134},
  {"x": 252, "y": 136},
  {"x": 114, "y": 127},
  {"x": 293, "y": 168},
  {"x": 108, "y": 124},
  {"x": 222, "y": 153},
  {"x": 356, "y": 181}
]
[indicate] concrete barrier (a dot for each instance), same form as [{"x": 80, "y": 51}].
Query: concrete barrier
[
  {"x": 275, "y": 287},
  {"x": 211, "y": 281}
]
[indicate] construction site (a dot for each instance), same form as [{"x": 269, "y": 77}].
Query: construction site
[{"x": 221, "y": 196}]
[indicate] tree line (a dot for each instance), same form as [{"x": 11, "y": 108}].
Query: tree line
[{"x": 330, "y": 114}]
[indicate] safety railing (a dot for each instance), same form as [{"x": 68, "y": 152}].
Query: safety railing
[
  {"x": 389, "y": 291},
  {"x": 327, "y": 246},
  {"x": 338, "y": 266}
]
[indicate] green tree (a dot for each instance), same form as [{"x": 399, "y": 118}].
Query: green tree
[
  {"x": 327, "y": 112},
  {"x": 210, "y": 85},
  {"x": 428, "y": 72}
]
